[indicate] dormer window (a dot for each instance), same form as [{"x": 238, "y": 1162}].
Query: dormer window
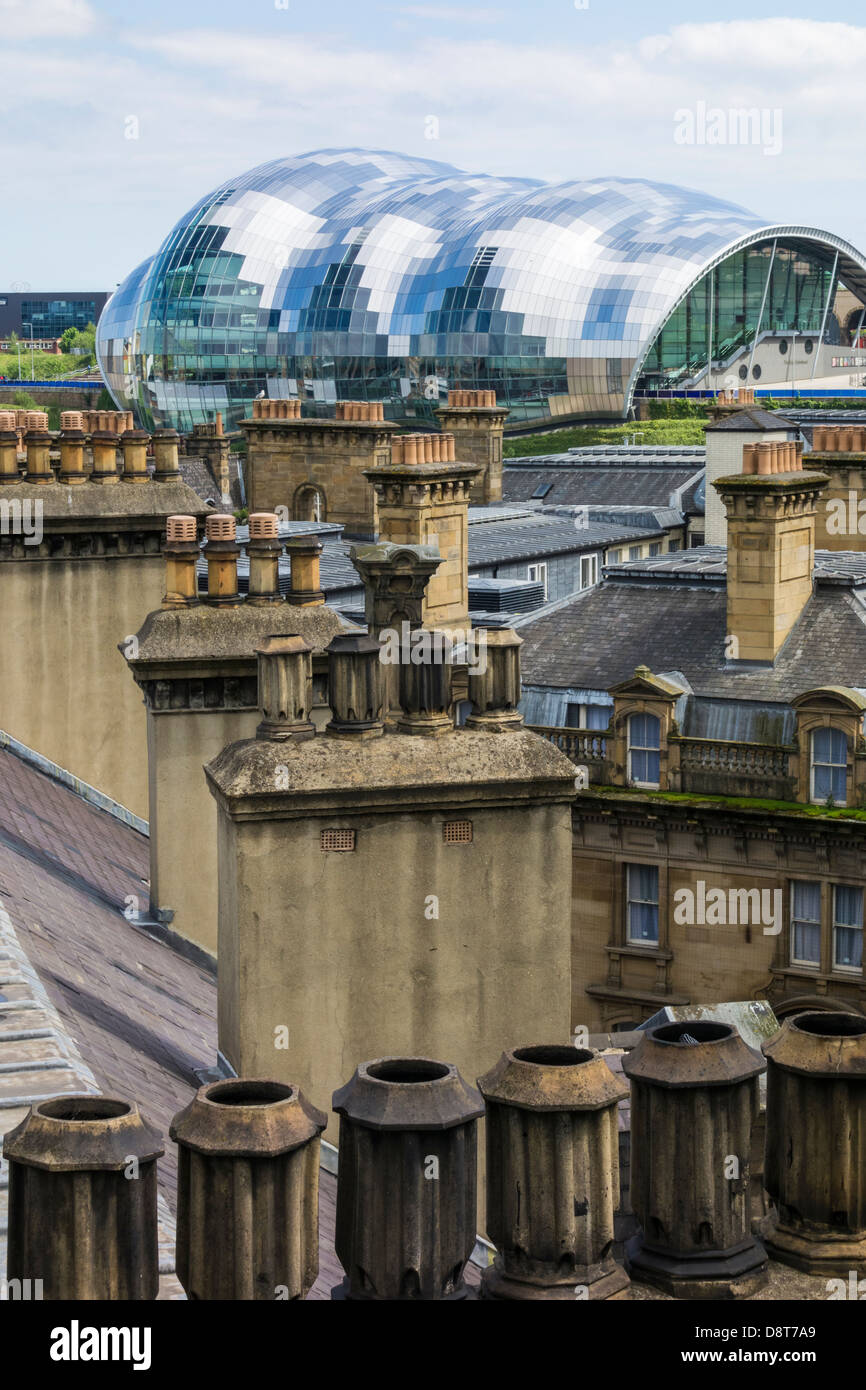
[
  {"x": 829, "y": 766},
  {"x": 644, "y": 758}
]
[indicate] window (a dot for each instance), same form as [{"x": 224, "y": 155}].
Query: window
[
  {"x": 675, "y": 545},
  {"x": 588, "y": 571},
  {"x": 806, "y": 924},
  {"x": 587, "y": 716},
  {"x": 634, "y": 552},
  {"x": 655, "y": 548},
  {"x": 644, "y": 758},
  {"x": 847, "y": 928},
  {"x": 829, "y": 765},
  {"x": 642, "y": 893},
  {"x": 538, "y": 573},
  {"x": 541, "y": 491}
]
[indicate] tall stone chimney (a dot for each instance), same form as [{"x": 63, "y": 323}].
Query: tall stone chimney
[
  {"x": 350, "y": 865},
  {"x": 840, "y": 452},
  {"x": 80, "y": 567},
  {"x": 771, "y": 548},
  {"x": 423, "y": 501},
  {"x": 195, "y": 659},
  {"x": 477, "y": 424},
  {"x": 315, "y": 467}
]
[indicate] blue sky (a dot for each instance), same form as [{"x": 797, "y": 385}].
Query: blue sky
[{"x": 549, "y": 89}]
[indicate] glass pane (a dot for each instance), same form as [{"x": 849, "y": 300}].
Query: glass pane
[
  {"x": 643, "y": 922},
  {"x": 849, "y": 947},
  {"x": 807, "y": 942},
  {"x": 848, "y": 906},
  {"x": 644, "y": 731},
  {"x": 806, "y": 902}
]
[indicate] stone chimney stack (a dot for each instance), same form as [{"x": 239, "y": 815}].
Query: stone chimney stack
[
  {"x": 379, "y": 948},
  {"x": 316, "y": 467},
  {"x": 212, "y": 672},
  {"x": 840, "y": 453},
  {"x": 95, "y": 552},
  {"x": 771, "y": 549},
  {"x": 424, "y": 502},
  {"x": 477, "y": 424}
]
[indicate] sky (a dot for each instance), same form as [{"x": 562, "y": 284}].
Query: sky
[{"x": 116, "y": 117}]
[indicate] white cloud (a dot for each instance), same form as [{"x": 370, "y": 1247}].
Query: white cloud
[
  {"x": 212, "y": 103},
  {"x": 45, "y": 19}
]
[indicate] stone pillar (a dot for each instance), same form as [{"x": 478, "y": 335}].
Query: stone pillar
[
  {"x": 694, "y": 1101},
  {"x": 816, "y": 1143},
  {"x": 285, "y": 689},
  {"x": 552, "y": 1175},
  {"x": 76, "y": 1220},
  {"x": 248, "y": 1192},
  {"x": 406, "y": 1180},
  {"x": 477, "y": 425}
]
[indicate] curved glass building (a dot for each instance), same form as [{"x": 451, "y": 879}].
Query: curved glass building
[{"x": 358, "y": 274}]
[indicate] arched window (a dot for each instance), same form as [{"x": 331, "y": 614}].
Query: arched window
[
  {"x": 643, "y": 750},
  {"x": 309, "y": 503},
  {"x": 829, "y": 765}
]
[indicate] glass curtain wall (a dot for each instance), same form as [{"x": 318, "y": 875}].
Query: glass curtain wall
[{"x": 720, "y": 317}]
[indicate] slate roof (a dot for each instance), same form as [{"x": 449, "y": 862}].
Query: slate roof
[
  {"x": 669, "y": 613},
  {"x": 608, "y": 477},
  {"x": 142, "y": 1015},
  {"x": 753, "y": 418}
]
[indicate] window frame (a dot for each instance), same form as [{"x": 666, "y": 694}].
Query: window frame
[
  {"x": 649, "y": 942},
  {"x": 643, "y": 748},
  {"x": 836, "y": 925},
  {"x": 814, "y": 763},
  {"x": 540, "y": 566},
  {"x": 793, "y": 959}
]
